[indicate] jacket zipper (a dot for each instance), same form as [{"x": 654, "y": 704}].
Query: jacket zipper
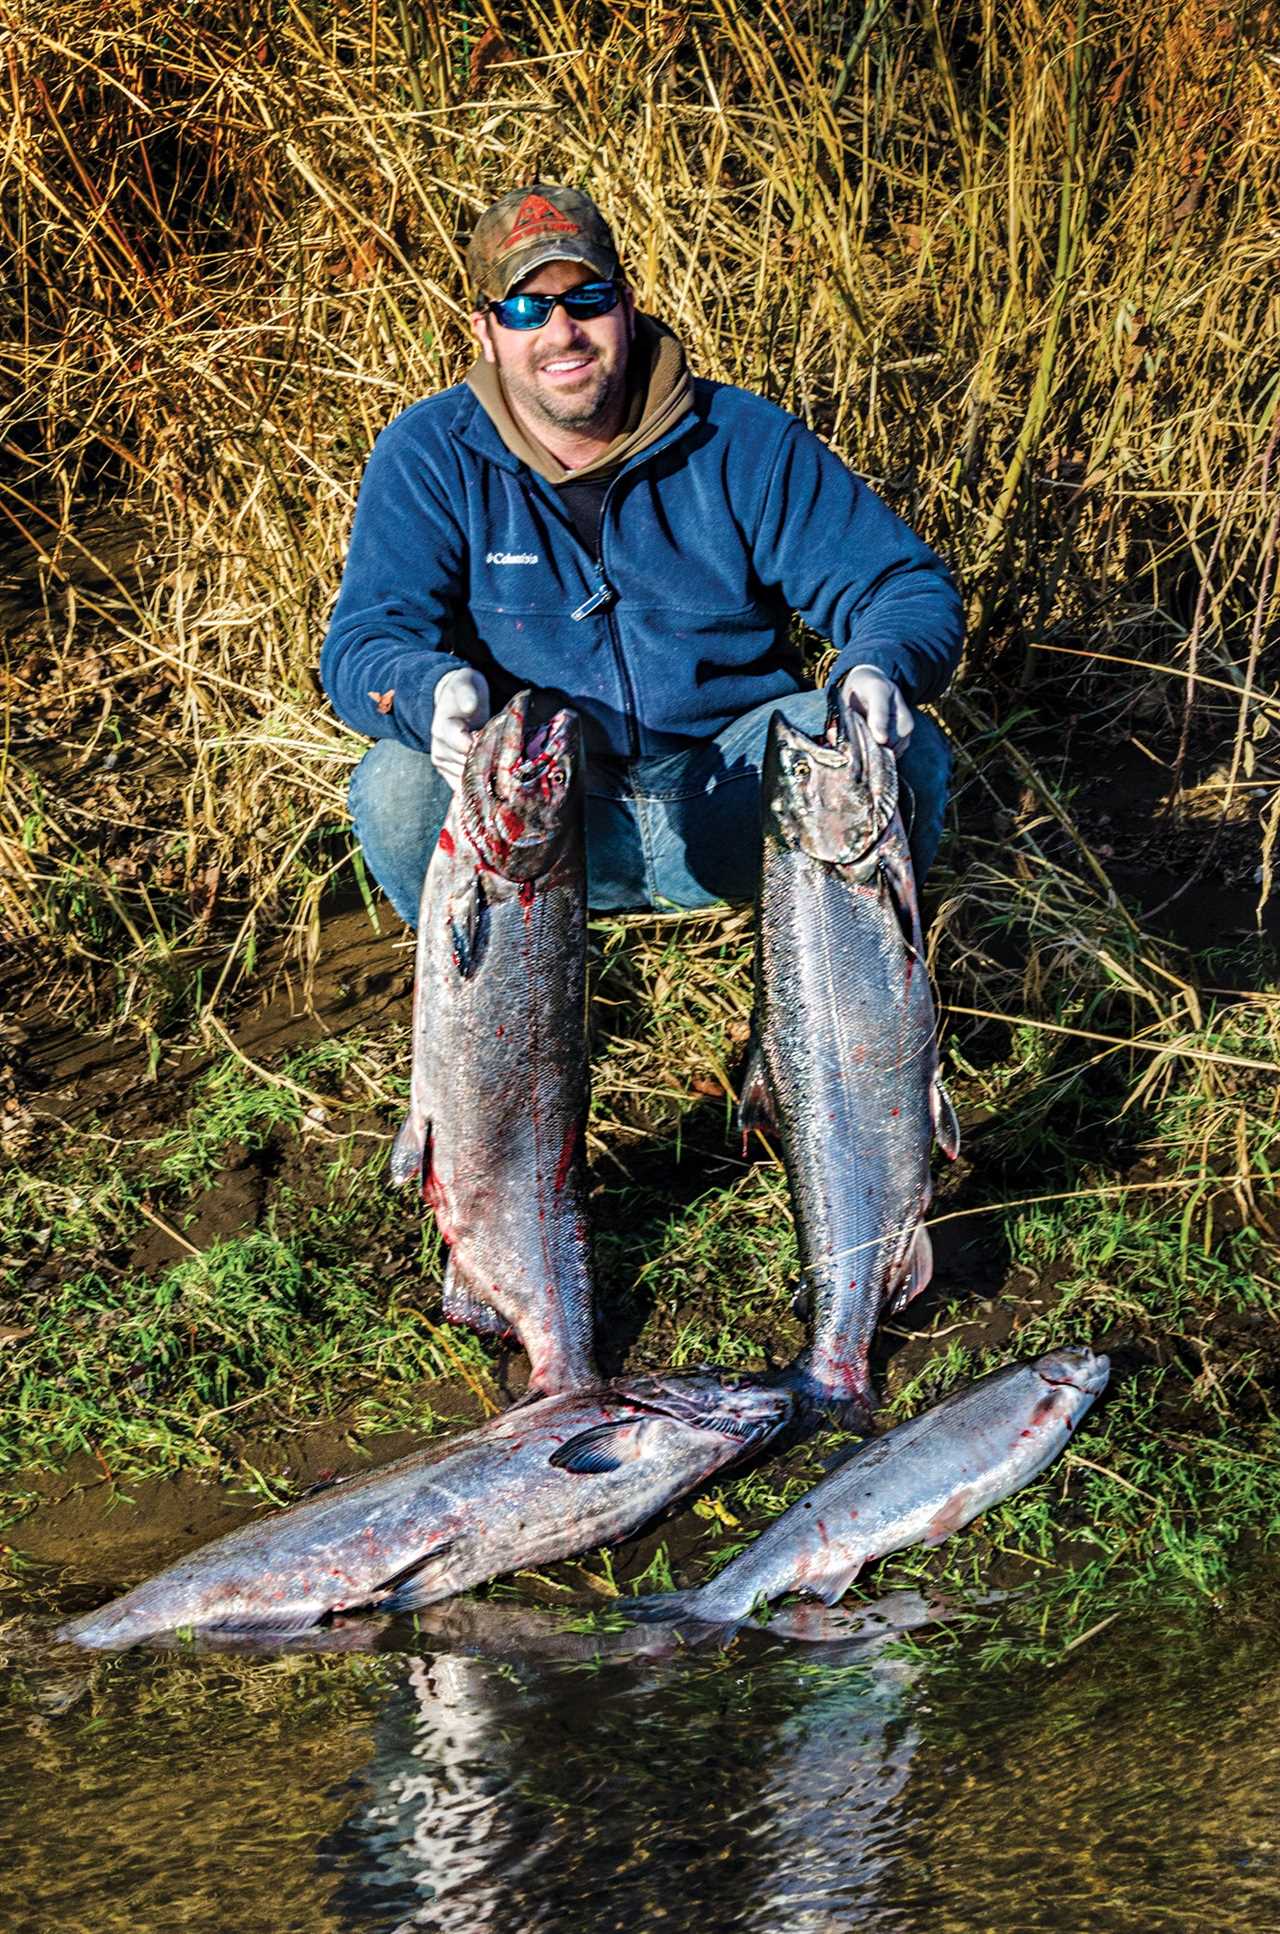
[{"x": 603, "y": 599}]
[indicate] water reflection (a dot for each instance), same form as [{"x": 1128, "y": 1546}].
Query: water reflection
[
  {"x": 681, "y": 1791},
  {"x": 775, "y": 1789}
]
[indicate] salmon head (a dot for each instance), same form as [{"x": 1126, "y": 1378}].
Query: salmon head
[
  {"x": 749, "y": 1413},
  {"x": 831, "y": 798},
  {"x": 521, "y": 794},
  {"x": 1076, "y": 1372}
]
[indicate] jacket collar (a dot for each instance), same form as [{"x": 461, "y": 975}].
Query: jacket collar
[{"x": 474, "y": 428}]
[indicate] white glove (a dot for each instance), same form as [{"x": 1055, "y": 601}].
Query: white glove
[
  {"x": 461, "y": 708},
  {"x": 881, "y": 704}
]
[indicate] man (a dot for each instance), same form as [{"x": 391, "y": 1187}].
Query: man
[{"x": 585, "y": 517}]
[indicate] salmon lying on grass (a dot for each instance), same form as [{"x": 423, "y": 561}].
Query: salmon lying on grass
[{"x": 550, "y": 1478}]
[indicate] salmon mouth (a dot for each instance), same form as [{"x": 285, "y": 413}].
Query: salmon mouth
[
  {"x": 552, "y": 744},
  {"x": 1089, "y": 1377}
]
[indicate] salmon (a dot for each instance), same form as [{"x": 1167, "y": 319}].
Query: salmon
[
  {"x": 496, "y": 1129},
  {"x": 550, "y": 1478},
  {"x": 843, "y": 1062},
  {"x": 918, "y": 1484}
]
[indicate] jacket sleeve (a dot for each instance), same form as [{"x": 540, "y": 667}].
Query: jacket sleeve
[
  {"x": 854, "y": 571},
  {"x": 401, "y": 597}
]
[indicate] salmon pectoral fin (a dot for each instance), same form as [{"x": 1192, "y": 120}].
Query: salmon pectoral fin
[
  {"x": 945, "y": 1125},
  {"x": 755, "y": 1103},
  {"x": 605, "y": 1447},
  {"x": 409, "y": 1152},
  {"x": 917, "y": 1271},
  {"x": 953, "y": 1517},
  {"x": 469, "y": 926}
]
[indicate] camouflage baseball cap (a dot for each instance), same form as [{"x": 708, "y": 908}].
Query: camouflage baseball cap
[{"x": 530, "y": 226}]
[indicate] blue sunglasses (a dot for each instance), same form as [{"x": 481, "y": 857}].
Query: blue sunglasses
[{"x": 532, "y": 311}]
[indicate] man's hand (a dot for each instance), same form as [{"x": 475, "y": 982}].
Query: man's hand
[
  {"x": 462, "y": 707},
  {"x": 881, "y": 704}
]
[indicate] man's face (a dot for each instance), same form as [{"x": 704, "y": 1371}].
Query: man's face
[{"x": 567, "y": 375}]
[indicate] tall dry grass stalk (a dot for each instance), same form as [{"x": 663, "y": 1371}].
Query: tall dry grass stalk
[{"x": 1016, "y": 260}]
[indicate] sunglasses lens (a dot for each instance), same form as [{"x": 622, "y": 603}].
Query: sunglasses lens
[
  {"x": 532, "y": 311},
  {"x": 523, "y": 311},
  {"x": 592, "y": 299}
]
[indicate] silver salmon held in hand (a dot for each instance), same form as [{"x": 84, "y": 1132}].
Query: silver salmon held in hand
[
  {"x": 500, "y": 1086},
  {"x": 917, "y": 1484},
  {"x": 844, "y": 1057},
  {"x": 550, "y": 1478}
]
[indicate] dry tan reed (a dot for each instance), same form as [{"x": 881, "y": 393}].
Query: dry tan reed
[{"x": 1017, "y": 261}]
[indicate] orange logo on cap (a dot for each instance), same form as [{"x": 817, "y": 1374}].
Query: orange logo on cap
[{"x": 536, "y": 216}]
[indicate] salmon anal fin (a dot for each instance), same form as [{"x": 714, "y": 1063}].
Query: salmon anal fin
[
  {"x": 277, "y": 1625},
  {"x": 917, "y": 1270},
  {"x": 408, "y": 1153},
  {"x": 945, "y": 1125},
  {"x": 755, "y": 1103}
]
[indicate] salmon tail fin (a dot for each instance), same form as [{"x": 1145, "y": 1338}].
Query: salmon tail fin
[
  {"x": 945, "y": 1125},
  {"x": 848, "y": 1402},
  {"x": 917, "y": 1271},
  {"x": 409, "y": 1152},
  {"x": 688, "y": 1608}
]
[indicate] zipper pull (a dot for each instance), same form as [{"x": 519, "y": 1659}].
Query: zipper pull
[{"x": 600, "y": 597}]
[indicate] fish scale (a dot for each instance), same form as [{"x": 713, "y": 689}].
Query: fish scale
[
  {"x": 844, "y": 1062},
  {"x": 500, "y": 1085}
]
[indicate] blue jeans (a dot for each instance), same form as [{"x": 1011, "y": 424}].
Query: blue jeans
[{"x": 682, "y": 830}]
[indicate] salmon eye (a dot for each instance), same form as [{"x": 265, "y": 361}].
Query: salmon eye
[
  {"x": 802, "y": 768},
  {"x": 557, "y": 777}
]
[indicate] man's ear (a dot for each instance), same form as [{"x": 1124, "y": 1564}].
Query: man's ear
[{"x": 482, "y": 330}]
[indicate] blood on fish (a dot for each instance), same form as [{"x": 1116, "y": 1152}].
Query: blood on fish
[
  {"x": 528, "y": 894},
  {"x": 566, "y": 1156},
  {"x": 446, "y": 841}
]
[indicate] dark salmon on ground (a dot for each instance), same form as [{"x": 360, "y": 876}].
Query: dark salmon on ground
[{"x": 547, "y": 1480}]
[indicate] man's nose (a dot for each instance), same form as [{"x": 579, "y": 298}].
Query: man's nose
[{"x": 561, "y": 331}]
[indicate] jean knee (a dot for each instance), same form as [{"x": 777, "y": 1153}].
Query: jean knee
[
  {"x": 398, "y": 803},
  {"x": 924, "y": 770}
]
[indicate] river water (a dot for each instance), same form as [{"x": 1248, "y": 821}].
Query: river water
[{"x": 473, "y": 1780}]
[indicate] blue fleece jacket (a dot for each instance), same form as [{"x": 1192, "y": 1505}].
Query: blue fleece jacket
[{"x": 710, "y": 538}]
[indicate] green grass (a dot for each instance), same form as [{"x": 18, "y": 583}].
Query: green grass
[{"x": 1026, "y": 295}]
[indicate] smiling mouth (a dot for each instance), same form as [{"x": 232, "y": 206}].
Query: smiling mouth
[{"x": 566, "y": 366}]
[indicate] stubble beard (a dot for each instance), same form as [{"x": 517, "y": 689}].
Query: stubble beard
[{"x": 593, "y": 407}]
